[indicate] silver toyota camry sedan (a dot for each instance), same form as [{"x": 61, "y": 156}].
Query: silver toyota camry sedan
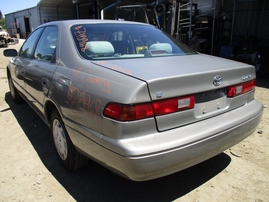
[{"x": 131, "y": 97}]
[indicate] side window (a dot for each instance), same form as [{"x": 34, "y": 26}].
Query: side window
[
  {"x": 27, "y": 48},
  {"x": 46, "y": 46}
]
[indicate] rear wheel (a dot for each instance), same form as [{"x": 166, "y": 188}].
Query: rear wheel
[
  {"x": 70, "y": 158},
  {"x": 13, "y": 91}
]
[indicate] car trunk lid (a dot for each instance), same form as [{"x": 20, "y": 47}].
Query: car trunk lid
[{"x": 202, "y": 76}]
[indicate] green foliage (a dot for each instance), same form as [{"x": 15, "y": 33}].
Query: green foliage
[{"x": 3, "y": 23}]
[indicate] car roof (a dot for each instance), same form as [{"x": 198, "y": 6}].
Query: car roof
[{"x": 92, "y": 21}]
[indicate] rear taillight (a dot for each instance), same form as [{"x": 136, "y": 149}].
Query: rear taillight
[
  {"x": 239, "y": 89},
  {"x": 122, "y": 112},
  {"x": 133, "y": 112}
]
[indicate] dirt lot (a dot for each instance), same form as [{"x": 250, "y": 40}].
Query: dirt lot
[{"x": 30, "y": 170}]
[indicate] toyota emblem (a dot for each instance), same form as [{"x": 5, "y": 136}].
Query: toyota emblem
[{"x": 217, "y": 80}]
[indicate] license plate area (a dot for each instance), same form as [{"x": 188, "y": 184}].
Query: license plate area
[{"x": 210, "y": 102}]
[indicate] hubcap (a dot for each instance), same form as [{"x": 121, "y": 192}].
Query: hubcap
[{"x": 59, "y": 139}]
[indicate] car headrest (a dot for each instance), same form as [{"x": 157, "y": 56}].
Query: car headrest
[
  {"x": 99, "y": 48},
  {"x": 161, "y": 46}
]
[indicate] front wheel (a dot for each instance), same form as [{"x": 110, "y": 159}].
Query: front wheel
[{"x": 70, "y": 158}]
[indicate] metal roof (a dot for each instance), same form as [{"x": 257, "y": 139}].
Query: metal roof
[{"x": 102, "y": 3}]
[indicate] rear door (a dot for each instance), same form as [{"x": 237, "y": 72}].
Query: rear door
[{"x": 39, "y": 72}]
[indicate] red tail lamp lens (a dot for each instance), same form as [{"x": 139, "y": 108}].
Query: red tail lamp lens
[{"x": 128, "y": 112}]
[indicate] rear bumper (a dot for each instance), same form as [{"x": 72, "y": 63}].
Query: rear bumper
[{"x": 156, "y": 155}]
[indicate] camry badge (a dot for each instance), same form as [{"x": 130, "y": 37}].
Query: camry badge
[
  {"x": 217, "y": 80},
  {"x": 244, "y": 78}
]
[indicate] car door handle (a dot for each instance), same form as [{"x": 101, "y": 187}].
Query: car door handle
[
  {"x": 44, "y": 81},
  {"x": 22, "y": 70},
  {"x": 45, "y": 85}
]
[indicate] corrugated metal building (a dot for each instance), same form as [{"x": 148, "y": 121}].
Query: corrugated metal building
[{"x": 22, "y": 22}]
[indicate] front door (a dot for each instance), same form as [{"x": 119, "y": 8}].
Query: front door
[{"x": 23, "y": 60}]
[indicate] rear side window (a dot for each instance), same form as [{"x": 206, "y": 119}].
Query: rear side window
[{"x": 27, "y": 49}]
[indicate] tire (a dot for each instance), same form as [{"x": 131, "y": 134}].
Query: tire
[
  {"x": 69, "y": 157},
  {"x": 14, "y": 92}
]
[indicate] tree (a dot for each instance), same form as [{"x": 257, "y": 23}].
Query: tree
[{"x": 3, "y": 23}]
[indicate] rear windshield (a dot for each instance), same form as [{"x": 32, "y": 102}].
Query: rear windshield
[{"x": 116, "y": 41}]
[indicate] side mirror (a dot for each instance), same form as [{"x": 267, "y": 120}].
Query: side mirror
[{"x": 10, "y": 52}]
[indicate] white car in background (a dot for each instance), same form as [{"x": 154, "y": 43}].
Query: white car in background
[{"x": 6, "y": 39}]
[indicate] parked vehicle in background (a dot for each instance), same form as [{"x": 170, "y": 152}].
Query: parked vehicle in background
[
  {"x": 131, "y": 97},
  {"x": 4, "y": 39}
]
